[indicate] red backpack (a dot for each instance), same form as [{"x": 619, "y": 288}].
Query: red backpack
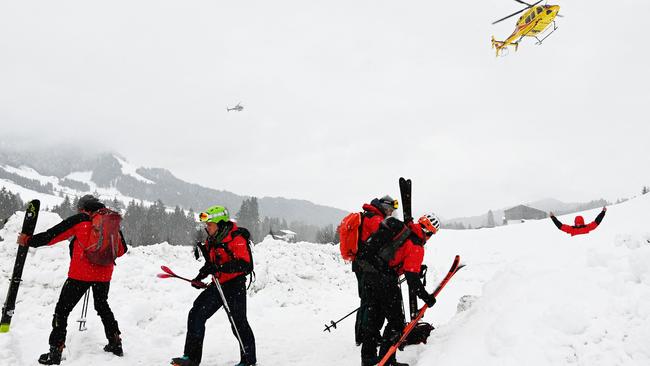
[
  {"x": 105, "y": 239},
  {"x": 350, "y": 234}
]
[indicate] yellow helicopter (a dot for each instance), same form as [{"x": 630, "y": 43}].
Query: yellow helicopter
[{"x": 535, "y": 20}]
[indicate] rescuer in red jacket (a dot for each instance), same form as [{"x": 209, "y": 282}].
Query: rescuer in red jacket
[
  {"x": 229, "y": 259},
  {"x": 401, "y": 252},
  {"x": 82, "y": 275},
  {"x": 579, "y": 226},
  {"x": 372, "y": 217}
]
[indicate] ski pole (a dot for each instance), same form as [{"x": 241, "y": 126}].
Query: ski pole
[
  {"x": 227, "y": 308},
  {"x": 334, "y": 323},
  {"x": 84, "y": 312}
]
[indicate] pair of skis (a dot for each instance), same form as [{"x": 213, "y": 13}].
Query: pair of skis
[
  {"x": 405, "y": 192},
  {"x": 455, "y": 267}
]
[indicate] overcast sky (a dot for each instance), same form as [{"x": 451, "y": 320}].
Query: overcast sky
[{"x": 341, "y": 97}]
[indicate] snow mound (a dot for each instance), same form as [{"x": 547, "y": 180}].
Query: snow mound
[
  {"x": 292, "y": 296},
  {"x": 552, "y": 299},
  {"x": 529, "y": 295}
]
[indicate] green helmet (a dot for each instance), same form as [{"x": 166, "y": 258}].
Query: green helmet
[{"x": 215, "y": 214}]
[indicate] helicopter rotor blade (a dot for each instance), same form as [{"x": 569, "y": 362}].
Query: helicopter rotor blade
[
  {"x": 521, "y": 2},
  {"x": 517, "y": 12},
  {"x": 509, "y": 16}
]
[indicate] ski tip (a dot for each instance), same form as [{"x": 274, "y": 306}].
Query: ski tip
[{"x": 4, "y": 328}]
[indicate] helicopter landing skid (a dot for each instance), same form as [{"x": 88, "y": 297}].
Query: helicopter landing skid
[{"x": 539, "y": 41}]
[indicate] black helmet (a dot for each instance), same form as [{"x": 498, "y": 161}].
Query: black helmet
[
  {"x": 89, "y": 203},
  {"x": 386, "y": 204}
]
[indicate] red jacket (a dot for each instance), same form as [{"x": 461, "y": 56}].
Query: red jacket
[
  {"x": 409, "y": 257},
  {"x": 78, "y": 226},
  {"x": 579, "y": 227},
  {"x": 236, "y": 256}
]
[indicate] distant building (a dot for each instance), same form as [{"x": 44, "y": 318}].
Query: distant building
[
  {"x": 521, "y": 212},
  {"x": 286, "y": 235}
]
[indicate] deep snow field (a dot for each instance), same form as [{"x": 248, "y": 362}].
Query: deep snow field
[{"x": 539, "y": 297}]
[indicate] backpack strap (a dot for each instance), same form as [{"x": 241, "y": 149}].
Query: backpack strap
[{"x": 416, "y": 239}]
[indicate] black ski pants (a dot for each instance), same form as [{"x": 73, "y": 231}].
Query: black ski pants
[
  {"x": 361, "y": 325},
  {"x": 71, "y": 293},
  {"x": 208, "y": 302},
  {"x": 384, "y": 301}
]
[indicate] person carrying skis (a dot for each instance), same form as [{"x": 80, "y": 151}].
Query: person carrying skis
[
  {"x": 372, "y": 216},
  {"x": 228, "y": 261},
  {"x": 401, "y": 253},
  {"x": 579, "y": 226},
  {"x": 82, "y": 275}
]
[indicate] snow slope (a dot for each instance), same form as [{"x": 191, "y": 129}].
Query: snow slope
[
  {"x": 546, "y": 298},
  {"x": 542, "y": 298},
  {"x": 60, "y": 190}
]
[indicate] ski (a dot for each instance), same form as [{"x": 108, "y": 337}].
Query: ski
[
  {"x": 29, "y": 224},
  {"x": 405, "y": 192},
  {"x": 455, "y": 267}
]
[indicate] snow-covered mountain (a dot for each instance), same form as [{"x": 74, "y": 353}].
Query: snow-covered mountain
[
  {"x": 50, "y": 175},
  {"x": 533, "y": 296}
]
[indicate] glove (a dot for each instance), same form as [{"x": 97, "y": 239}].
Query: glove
[
  {"x": 430, "y": 300},
  {"x": 23, "y": 240},
  {"x": 197, "y": 284},
  {"x": 207, "y": 269}
]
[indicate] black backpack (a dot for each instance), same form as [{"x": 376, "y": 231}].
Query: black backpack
[{"x": 382, "y": 245}]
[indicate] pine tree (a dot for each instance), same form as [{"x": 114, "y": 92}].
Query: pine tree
[
  {"x": 326, "y": 235},
  {"x": 65, "y": 209},
  {"x": 249, "y": 218},
  {"x": 9, "y": 204}
]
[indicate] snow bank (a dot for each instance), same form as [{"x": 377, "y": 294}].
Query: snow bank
[
  {"x": 531, "y": 295},
  {"x": 548, "y": 299},
  {"x": 298, "y": 287}
]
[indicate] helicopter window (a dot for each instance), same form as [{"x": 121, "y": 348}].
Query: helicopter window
[
  {"x": 548, "y": 12},
  {"x": 528, "y": 19},
  {"x": 539, "y": 9}
]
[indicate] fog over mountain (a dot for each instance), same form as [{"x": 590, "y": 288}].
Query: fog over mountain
[{"x": 111, "y": 170}]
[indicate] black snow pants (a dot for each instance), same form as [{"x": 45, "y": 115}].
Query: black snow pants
[
  {"x": 71, "y": 293},
  {"x": 361, "y": 325},
  {"x": 206, "y": 305},
  {"x": 384, "y": 301}
]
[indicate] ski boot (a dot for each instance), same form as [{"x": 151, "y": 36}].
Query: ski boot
[
  {"x": 369, "y": 361},
  {"x": 115, "y": 346},
  {"x": 242, "y": 363},
  {"x": 53, "y": 357},
  {"x": 183, "y": 361}
]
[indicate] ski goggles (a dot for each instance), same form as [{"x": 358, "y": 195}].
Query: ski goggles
[
  {"x": 394, "y": 204},
  {"x": 204, "y": 216}
]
